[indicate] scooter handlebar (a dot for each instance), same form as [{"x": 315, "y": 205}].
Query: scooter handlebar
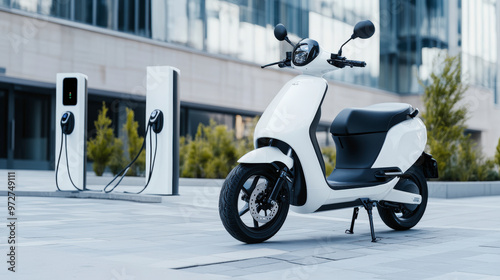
[
  {"x": 341, "y": 62},
  {"x": 355, "y": 63}
]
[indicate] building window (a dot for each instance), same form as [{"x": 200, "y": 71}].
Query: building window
[
  {"x": 61, "y": 9},
  {"x": 32, "y": 129},
  {"x": 3, "y": 124},
  {"x": 116, "y": 112},
  {"x": 104, "y": 13},
  {"x": 84, "y": 11},
  {"x": 191, "y": 118},
  {"x": 28, "y": 6}
]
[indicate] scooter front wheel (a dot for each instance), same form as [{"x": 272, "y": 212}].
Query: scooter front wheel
[{"x": 243, "y": 206}]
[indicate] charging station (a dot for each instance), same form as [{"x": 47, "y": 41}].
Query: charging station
[
  {"x": 162, "y": 94},
  {"x": 71, "y": 131}
]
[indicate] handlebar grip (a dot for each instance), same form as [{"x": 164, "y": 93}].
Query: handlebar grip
[{"x": 355, "y": 63}]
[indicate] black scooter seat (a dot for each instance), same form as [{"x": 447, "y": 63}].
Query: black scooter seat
[{"x": 375, "y": 118}]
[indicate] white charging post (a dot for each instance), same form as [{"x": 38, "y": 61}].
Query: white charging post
[
  {"x": 162, "y": 93},
  {"x": 71, "y": 96}
]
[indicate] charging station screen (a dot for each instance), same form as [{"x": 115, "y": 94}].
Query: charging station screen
[{"x": 69, "y": 91}]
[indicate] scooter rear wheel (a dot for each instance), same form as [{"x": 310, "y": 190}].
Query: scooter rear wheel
[
  {"x": 407, "y": 216},
  {"x": 243, "y": 206}
]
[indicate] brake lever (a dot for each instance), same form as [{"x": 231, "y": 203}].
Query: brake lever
[
  {"x": 337, "y": 63},
  {"x": 271, "y": 64},
  {"x": 284, "y": 63},
  {"x": 337, "y": 60}
]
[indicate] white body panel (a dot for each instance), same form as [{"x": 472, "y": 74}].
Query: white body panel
[
  {"x": 162, "y": 94},
  {"x": 77, "y": 140},
  {"x": 403, "y": 144},
  {"x": 266, "y": 155},
  {"x": 289, "y": 117}
]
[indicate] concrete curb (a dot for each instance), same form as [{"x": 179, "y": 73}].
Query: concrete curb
[
  {"x": 90, "y": 194},
  {"x": 463, "y": 189},
  {"x": 41, "y": 183}
]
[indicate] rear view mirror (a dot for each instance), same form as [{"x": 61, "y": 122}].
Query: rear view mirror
[
  {"x": 280, "y": 32},
  {"x": 363, "y": 29}
]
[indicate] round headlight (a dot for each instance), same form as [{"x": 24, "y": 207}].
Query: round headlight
[{"x": 305, "y": 51}]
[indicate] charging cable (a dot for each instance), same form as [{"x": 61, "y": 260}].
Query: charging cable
[
  {"x": 67, "y": 126},
  {"x": 155, "y": 125}
]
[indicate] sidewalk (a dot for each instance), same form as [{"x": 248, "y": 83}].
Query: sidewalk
[
  {"x": 42, "y": 183},
  {"x": 183, "y": 238}
]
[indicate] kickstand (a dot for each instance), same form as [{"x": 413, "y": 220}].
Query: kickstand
[
  {"x": 368, "y": 204},
  {"x": 354, "y": 217}
]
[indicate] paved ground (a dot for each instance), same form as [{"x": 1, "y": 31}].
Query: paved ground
[{"x": 183, "y": 238}]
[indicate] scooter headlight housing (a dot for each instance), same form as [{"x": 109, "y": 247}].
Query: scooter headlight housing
[{"x": 305, "y": 52}]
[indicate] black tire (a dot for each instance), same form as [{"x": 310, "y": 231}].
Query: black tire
[
  {"x": 407, "y": 215},
  {"x": 244, "y": 181}
]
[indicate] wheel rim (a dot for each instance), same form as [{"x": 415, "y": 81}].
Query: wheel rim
[
  {"x": 254, "y": 211},
  {"x": 407, "y": 211}
]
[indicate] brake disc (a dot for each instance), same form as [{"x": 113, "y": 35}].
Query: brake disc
[{"x": 256, "y": 203}]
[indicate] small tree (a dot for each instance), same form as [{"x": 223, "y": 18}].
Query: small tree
[
  {"x": 134, "y": 143},
  {"x": 457, "y": 155},
  {"x": 117, "y": 161},
  {"x": 443, "y": 116},
  {"x": 100, "y": 148}
]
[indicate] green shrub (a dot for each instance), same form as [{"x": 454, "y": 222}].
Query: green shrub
[
  {"x": 497, "y": 156},
  {"x": 101, "y": 148},
  {"x": 468, "y": 164},
  {"x": 211, "y": 154},
  {"x": 329, "y": 156},
  {"x": 134, "y": 143},
  {"x": 214, "y": 151},
  {"x": 118, "y": 160}
]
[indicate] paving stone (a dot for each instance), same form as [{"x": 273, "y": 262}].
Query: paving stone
[{"x": 66, "y": 238}]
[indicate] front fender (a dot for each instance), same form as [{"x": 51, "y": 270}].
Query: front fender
[{"x": 267, "y": 154}]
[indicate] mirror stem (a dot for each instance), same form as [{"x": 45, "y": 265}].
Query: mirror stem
[
  {"x": 289, "y": 42},
  {"x": 340, "y": 50}
]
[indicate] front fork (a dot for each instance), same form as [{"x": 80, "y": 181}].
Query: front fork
[{"x": 285, "y": 175}]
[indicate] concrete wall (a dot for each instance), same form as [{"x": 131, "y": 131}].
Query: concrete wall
[{"x": 38, "y": 48}]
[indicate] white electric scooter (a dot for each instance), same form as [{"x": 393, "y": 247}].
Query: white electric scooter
[{"x": 380, "y": 155}]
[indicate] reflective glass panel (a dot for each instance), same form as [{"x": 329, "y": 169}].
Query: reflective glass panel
[
  {"x": 83, "y": 11},
  {"x": 32, "y": 118}
]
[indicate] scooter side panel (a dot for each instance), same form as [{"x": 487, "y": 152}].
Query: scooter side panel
[{"x": 403, "y": 145}]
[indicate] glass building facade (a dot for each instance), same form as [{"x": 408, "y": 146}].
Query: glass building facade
[
  {"x": 479, "y": 42},
  {"x": 411, "y": 33}
]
